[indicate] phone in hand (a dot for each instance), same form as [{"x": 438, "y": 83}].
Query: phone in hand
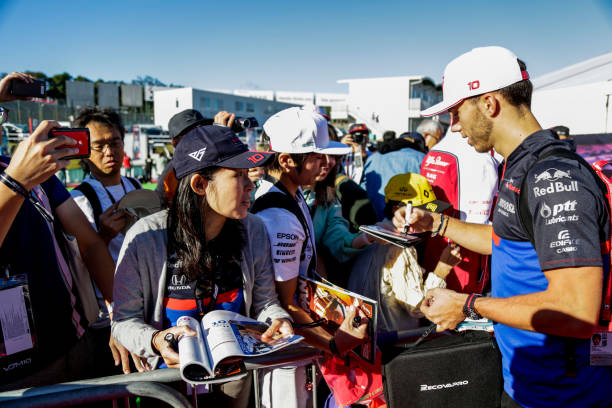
[
  {"x": 81, "y": 135},
  {"x": 36, "y": 89}
]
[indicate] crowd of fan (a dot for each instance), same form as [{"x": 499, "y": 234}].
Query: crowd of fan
[{"x": 240, "y": 227}]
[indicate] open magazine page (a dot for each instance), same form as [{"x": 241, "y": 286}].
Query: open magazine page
[
  {"x": 196, "y": 363},
  {"x": 230, "y": 334},
  {"x": 248, "y": 334},
  {"x": 330, "y": 302}
]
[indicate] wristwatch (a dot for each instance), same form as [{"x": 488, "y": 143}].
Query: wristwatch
[{"x": 468, "y": 307}]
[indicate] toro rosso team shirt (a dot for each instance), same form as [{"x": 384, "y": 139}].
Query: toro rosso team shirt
[
  {"x": 287, "y": 236},
  {"x": 569, "y": 222}
]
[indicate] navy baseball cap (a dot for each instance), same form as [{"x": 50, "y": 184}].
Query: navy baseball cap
[{"x": 213, "y": 145}]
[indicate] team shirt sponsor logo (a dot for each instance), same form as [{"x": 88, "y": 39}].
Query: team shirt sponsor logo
[
  {"x": 568, "y": 206},
  {"x": 510, "y": 186},
  {"x": 555, "y": 187},
  {"x": 286, "y": 244},
  {"x": 284, "y": 235},
  {"x": 289, "y": 252},
  {"x": 505, "y": 207},
  {"x": 436, "y": 161},
  {"x": 198, "y": 154},
  {"x": 276, "y": 260},
  {"x": 564, "y": 242},
  {"x": 552, "y": 175}
]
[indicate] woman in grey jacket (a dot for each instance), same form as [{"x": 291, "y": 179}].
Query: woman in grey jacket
[{"x": 204, "y": 253}]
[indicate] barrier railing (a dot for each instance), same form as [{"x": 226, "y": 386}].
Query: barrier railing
[
  {"x": 138, "y": 384},
  {"x": 150, "y": 384}
]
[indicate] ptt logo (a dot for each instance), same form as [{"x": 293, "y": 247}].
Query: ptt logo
[
  {"x": 474, "y": 85},
  {"x": 568, "y": 206},
  {"x": 552, "y": 175}
]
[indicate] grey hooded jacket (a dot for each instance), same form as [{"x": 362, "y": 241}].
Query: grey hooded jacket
[{"x": 141, "y": 275}]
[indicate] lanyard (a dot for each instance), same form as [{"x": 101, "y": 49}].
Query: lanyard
[{"x": 108, "y": 193}]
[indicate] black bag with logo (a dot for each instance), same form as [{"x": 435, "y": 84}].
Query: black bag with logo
[{"x": 457, "y": 370}]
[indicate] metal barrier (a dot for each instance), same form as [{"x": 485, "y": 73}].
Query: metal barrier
[
  {"x": 96, "y": 393},
  {"x": 149, "y": 384},
  {"x": 143, "y": 384}
]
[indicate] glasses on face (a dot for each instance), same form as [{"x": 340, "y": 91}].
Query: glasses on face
[
  {"x": 101, "y": 147},
  {"x": 3, "y": 114}
]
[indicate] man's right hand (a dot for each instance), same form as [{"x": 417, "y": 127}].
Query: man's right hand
[
  {"x": 37, "y": 158},
  {"x": 170, "y": 356},
  {"x": 420, "y": 220},
  {"x": 5, "y": 85},
  {"x": 111, "y": 222}
]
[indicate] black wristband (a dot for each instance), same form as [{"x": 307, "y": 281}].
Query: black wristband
[
  {"x": 333, "y": 347},
  {"x": 14, "y": 185}
]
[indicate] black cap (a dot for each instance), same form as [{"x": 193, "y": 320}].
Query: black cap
[
  {"x": 213, "y": 145},
  {"x": 185, "y": 120}
]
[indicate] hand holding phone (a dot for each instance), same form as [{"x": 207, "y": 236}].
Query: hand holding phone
[
  {"x": 6, "y": 85},
  {"x": 80, "y": 135},
  {"x": 34, "y": 88}
]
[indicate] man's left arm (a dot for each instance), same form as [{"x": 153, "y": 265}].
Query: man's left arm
[{"x": 93, "y": 249}]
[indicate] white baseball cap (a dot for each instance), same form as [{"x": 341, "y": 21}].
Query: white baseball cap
[
  {"x": 476, "y": 72},
  {"x": 301, "y": 130}
]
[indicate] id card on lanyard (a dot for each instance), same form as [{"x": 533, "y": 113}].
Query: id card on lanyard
[{"x": 16, "y": 318}]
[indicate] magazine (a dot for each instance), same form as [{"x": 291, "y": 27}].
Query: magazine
[
  {"x": 326, "y": 300},
  {"x": 394, "y": 237},
  {"x": 223, "y": 339}
]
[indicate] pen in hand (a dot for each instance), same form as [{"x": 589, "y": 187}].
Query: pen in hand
[{"x": 407, "y": 217}]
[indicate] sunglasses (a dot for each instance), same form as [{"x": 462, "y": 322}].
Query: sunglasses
[{"x": 3, "y": 114}]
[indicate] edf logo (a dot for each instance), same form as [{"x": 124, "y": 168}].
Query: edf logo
[{"x": 474, "y": 85}]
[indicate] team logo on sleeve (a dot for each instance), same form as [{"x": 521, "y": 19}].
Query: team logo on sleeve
[
  {"x": 552, "y": 175},
  {"x": 564, "y": 243}
]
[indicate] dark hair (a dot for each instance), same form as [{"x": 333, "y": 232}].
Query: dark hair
[
  {"x": 519, "y": 93},
  {"x": 186, "y": 234},
  {"x": 298, "y": 158},
  {"x": 104, "y": 116},
  {"x": 388, "y": 135},
  {"x": 325, "y": 190}
]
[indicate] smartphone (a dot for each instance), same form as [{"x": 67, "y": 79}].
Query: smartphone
[
  {"x": 36, "y": 89},
  {"x": 81, "y": 135}
]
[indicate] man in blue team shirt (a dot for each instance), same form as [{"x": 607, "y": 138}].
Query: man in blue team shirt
[{"x": 546, "y": 296}]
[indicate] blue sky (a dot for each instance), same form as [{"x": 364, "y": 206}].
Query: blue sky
[{"x": 293, "y": 46}]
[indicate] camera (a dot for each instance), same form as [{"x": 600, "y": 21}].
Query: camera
[
  {"x": 240, "y": 124},
  {"x": 359, "y": 137}
]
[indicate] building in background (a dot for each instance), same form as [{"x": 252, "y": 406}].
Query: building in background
[
  {"x": 577, "y": 96},
  {"x": 390, "y": 103},
  {"x": 168, "y": 102}
]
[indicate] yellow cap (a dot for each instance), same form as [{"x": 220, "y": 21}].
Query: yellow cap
[{"x": 413, "y": 188}]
